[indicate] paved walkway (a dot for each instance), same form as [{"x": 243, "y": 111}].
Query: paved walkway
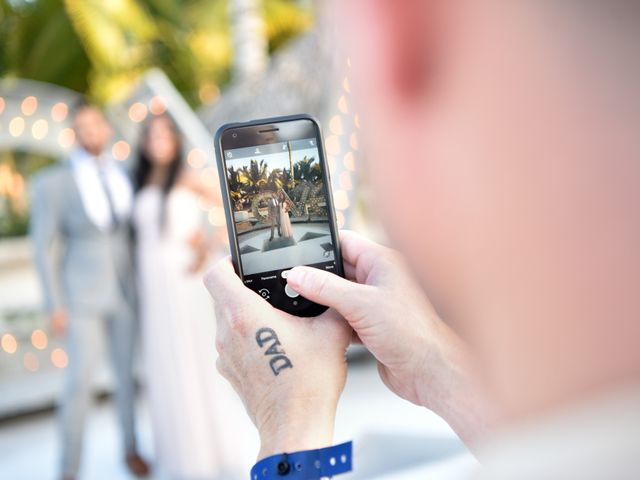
[{"x": 394, "y": 440}]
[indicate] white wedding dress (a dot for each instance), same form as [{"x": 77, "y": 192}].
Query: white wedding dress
[{"x": 200, "y": 428}]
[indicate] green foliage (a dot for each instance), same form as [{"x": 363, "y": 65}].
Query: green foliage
[
  {"x": 307, "y": 170},
  {"x": 101, "y": 47}
]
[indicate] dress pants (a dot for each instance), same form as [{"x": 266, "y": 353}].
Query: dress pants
[{"x": 87, "y": 337}]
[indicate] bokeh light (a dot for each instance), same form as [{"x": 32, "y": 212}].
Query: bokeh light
[
  {"x": 349, "y": 162},
  {"x": 1, "y": 104},
  {"x": 197, "y": 158},
  {"x": 29, "y": 105},
  {"x": 346, "y": 85},
  {"x": 39, "y": 129},
  {"x": 9, "y": 343},
  {"x": 356, "y": 120},
  {"x": 332, "y": 145},
  {"x": 340, "y": 219},
  {"x": 16, "y": 126},
  {"x": 138, "y": 112},
  {"x": 67, "y": 137},
  {"x": 341, "y": 199},
  {"x": 59, "y": 112},
  {"x": 335, "y": 125},
  {"x": 39, "y": 339},
  {"x": 342, "y": 104},
  {"x": 59, "y": 358},
  {"x": 121, "y": 150},
  {"x": 353, "y": 141},
  {"x": 157, "y": 105}
]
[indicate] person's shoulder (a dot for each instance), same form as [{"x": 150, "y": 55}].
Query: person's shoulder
[{"x": 52, "y": 175}]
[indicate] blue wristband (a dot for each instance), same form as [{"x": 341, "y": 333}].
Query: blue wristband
[{"x": 305, "y": 465}]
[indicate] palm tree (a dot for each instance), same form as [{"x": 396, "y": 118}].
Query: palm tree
[
  {"x": 306, "y": 170},
  {"x": 101, "y": 47},
  {"x": 254, "y": 177},
  {"x": 235, "y": 187}
]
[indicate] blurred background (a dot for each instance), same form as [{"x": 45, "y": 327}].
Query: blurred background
[{"x": 204, "y": 63}]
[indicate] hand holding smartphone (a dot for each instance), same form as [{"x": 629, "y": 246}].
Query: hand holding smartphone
[{"x": 278, "y": 204}]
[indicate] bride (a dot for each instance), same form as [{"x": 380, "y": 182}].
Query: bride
[
  {"x": 191, "y": 406},
  {"x": 285, "y": 204}
]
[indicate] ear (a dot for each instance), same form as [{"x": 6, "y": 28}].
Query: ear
[{"x": 395, "y": 42}]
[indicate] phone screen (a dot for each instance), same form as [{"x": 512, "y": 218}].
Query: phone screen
[{"x": 281, "y": 207}]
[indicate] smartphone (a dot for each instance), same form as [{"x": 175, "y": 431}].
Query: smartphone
[{"x": 277, "y": 197}]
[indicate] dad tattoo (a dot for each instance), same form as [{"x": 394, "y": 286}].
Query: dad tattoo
[{"x": 279, "y": 360}]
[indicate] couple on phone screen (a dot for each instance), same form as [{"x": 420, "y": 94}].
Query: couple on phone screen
[{"x": 278, "y": 216}]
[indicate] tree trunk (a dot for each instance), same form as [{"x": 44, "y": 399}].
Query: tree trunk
[{"x": 250, "y": 49}]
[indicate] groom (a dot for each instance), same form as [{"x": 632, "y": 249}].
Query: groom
[
  {"x": 83, "y": 208},
  {"x": 274, "y": 217}
]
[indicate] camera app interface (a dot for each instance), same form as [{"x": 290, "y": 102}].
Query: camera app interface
[{"x": 280, "y": 210}]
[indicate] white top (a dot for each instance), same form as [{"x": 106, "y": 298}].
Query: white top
[{"x": 85, "y": 169}]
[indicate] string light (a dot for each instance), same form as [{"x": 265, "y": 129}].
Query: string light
[
  {"x": 353, "y": 141},
  {"x": 349, "y": 162},
  {"x": 335, "y": 125},
  {"x": 197, "y": 158},
  {"x": 29, "y": 105},
  {"x": 59, "y": 358},
  {"x": 16, "y": 126},
  {"x": 342, "y": 104},
  {"x": 39, "y": 129},
  {"x": 138, "y": 112},
  {"x": 332, "y": 145},
  {"x": 39, "y": 339},
  {"x": 341, "y": 199},
  {"x": 157, "y": 105},
  {"x": 346, "y": 85},
  {"x": 66, "y": 138},
  {"x": 59, "y": 112},
  {"x": 9, "y": 343},
  {"x": 121, "y": 150}
]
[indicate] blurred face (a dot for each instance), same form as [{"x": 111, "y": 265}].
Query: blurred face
[
  {"x": 92, "y": 130},
  {"x": 488, "y": 133},
  {"x": 161, "y": 144}
]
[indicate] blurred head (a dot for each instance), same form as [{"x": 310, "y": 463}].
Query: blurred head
[
  {"x": 160, "y": 148},
  {"x": 161, "y": 141},
  {"x": 513, "y": 126},
  {"x": 91, "y": 128}
]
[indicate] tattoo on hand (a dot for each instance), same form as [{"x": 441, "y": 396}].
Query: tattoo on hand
[{"x": 279, "y": 360}]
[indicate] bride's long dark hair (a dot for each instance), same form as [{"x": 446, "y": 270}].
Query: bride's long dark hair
[{"x": 145, "y": 165}]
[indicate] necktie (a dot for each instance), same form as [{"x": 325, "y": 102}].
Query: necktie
[{"x": 102, "y": 174}]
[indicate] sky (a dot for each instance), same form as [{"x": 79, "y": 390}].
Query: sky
[{"x": 274, "y": 160}]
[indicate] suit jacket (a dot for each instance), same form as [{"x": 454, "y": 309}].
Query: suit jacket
[
  {"x": 274, "y": 210},
  {"x": 82, "y": 268}
]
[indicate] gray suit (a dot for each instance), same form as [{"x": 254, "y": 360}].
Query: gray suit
[{"x": 88, "y": 272}]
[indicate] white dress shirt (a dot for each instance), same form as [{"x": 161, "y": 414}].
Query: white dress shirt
[{"x": 86, "y": 171}]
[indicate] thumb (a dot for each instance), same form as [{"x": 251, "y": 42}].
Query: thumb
[{"x": 348, "y": 298}]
